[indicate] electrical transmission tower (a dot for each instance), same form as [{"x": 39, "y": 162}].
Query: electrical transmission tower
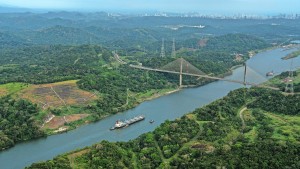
[
  {"x": 289, "y": 87},
  {"x": 173, "y": 49},
  {"x": 162, "y": 52}
]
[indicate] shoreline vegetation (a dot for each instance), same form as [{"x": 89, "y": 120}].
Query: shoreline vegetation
[
  {"x": 157, "y": 94},
  {"x": 292, "y": 55}
]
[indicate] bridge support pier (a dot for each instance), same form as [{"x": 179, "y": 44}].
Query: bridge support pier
[
  {"x": 180, "y": 80},
  {"x": 180, "y": 74},
  {"x": 245, "y": 72}
]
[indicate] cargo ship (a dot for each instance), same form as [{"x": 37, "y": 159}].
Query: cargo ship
[{"x": 121, "y": 124}]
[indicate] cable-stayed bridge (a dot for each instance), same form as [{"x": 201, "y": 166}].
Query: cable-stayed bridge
[{"x": 183, "y": 67}]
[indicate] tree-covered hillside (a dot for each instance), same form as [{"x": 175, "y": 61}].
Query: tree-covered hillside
[
  {"x": 17, "y": 122},
  {"x": 130, "y": 31},
  {"x": 52, "y": 63},
  {"x": 45, "y": 64},
  {"x": 228, "y": 133}
]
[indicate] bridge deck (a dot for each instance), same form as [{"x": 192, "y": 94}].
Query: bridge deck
[{"x": 204, "y": 76}]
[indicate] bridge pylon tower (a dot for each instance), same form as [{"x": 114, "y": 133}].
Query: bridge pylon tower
[
  {"x": 180, "y": 74},
  {"x": 245, "y": 73}
]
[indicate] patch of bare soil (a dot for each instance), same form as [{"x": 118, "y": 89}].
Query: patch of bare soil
[
  {"x": 57, "y": 94},
  {"x": 59, "y": 121},
  {"x": 3, "y": 92}
]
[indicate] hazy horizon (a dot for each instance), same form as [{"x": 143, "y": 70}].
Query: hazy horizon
[{"x": 213, "y": 6}]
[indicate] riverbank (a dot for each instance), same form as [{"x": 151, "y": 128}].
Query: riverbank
[
  {"x": 153, "y": 94},
  {"x": 135, "y": 99},
  {"x": 292, "y": 55}
]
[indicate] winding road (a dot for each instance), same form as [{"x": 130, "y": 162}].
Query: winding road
[{"x": 241, "y": 116}]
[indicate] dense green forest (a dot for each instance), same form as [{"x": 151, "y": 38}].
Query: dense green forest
[
  {"x": 280, "y": 104},
  {"x": 46, "y": 64},
  {"x": 52, "y": 63},
  {"x": 232, "y": 132},
  {"x": 17, "y": 122},
  {"x": 220, "y": 53},
  {"x": 114, "y": 85}
]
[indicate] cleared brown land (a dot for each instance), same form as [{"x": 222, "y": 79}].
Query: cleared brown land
[
  {"x": 79, "y": 153},
  {"x": 3, "y": 92},
  {"x": 57, "y": 94},
  {"x": 202, "y": 42},
  {"x": 57, "y": 122}
]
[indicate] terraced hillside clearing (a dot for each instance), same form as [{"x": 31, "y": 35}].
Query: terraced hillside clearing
[
  {"x": 65, "y": 96},
  {"x": 57, "y": 94}
]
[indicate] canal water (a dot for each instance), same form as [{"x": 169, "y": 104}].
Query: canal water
[{"x": 167, "y": 107}]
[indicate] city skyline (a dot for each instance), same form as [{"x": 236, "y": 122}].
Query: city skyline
[{"x": 212, "y": 6}]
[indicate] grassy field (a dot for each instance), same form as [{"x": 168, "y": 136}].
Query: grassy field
[
  {"x": 285, "y": 127},
  {"x": 12, "y": 88}
]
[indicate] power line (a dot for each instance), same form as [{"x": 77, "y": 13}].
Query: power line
[
  {"x": 162, "y": 52},
  {"x": 173, "y": 49},
  {"x": 289, "y": 87}
]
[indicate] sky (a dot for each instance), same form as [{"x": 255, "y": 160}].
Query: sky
[{"x": 205, "y": 6}]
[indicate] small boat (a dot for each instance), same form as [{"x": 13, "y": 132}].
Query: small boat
[
  {"x": 151, "y": 121},
  {"x": 270, "y": 73}
]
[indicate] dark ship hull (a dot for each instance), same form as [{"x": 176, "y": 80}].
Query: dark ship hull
[{"x": 126, "y": 123}]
